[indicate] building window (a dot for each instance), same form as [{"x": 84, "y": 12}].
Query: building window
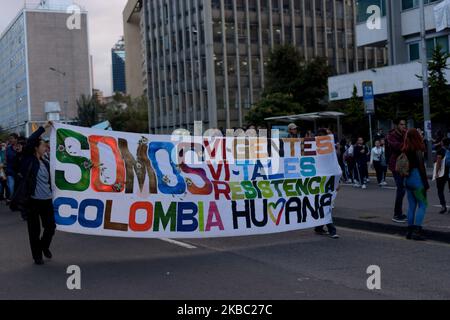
[
  {"x": 414, "y": 48},
  {"x": 414, "y": 53},
  {"x": 410, "y": 4},
  {"x": 434, "y": 42}
]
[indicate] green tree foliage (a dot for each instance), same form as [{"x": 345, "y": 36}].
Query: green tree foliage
[
  {"x": 312, "y": 85},
  {"x": 354, "y": 120},
  {"x": 439, "y": 89},
  {"x": 3, "y": 135},
  {"x": 283, "y": 70},
  {"x": 272, "y": 105},
  {"x": 292, "y": 86},
  {"x": 392, "y": 106},
  {"x": 88, "y": 111},
  {"x": 128, "y": 115}
]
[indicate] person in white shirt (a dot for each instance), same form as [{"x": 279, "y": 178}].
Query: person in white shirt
[{"x": 378, "y": 162}]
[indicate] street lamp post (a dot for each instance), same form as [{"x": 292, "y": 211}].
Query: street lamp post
[
  {"x": 65, "y": 90},
  {"x": 426, "y": 89}
]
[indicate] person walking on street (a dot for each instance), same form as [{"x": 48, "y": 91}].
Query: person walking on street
[
  {"x": 361, "y": 153},
  {"x": 378, "y": 162},
  {"x": 19, "y": 148},
  {"x": 3, "y": 184},
  {"x": 35, "y": 173},
  {"x": 10, "y": 162},
  {"x": 416, "y": 183},
  {"x": 349, "y": 162},
  {"x": 442, "y": 172},
  {"x": 395, "y": 140},
  {"x": 332, "y": 231}
]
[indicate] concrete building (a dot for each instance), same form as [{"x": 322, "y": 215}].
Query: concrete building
[
  {"x": 135, "y": 63},
  {"x": 118, "y": 67},
  {"x": 205, "y": 60},
  {"x": 42, "y": 60},
  {"x": 400, "y": 32}
]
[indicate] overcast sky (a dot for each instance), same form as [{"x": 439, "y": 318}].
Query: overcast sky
[{"x": 105, "y": 28}]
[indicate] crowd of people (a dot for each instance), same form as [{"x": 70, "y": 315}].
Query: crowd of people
[
  {"x": 25, "y": 183},
  {"x": 26, "y": 187}
]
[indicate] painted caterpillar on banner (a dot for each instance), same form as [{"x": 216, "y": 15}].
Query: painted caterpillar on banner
[{"x": 151, "y": 186}]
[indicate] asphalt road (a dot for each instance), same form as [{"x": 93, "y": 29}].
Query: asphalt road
[{"x": 294, "y": 266}]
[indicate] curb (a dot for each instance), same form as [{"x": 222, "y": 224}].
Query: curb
[
  {"x": 389, "y": 175},
  {"x": 377, "y": 227}
]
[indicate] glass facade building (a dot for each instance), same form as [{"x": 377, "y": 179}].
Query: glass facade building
[
  {"x": 118, "y": 67},
  {"x": 13, "y": 77}
]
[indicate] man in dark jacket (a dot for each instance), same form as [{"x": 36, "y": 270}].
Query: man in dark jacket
[{"x": 395, "y": 140}]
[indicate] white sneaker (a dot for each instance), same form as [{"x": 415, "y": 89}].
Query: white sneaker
[
  {"x": 384, "y": 183},
  {"x": 364, "y": 186},
  {"x": 356, "y": 185}
]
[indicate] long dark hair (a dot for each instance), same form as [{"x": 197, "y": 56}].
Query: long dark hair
[{"x": 413, "y": 141}]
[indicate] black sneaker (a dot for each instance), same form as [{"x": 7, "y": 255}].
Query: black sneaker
[
  {"x": 400, "y": 219},
  {"x": 38, "y": 262},
  {"x": 443, "y": 211},
  {"x": 418, "y": 234},
  {"x": 321, "y": 231},
  {"x": 47, "y": 253}
]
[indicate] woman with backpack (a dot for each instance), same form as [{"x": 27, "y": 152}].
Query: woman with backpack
[
  {"x": 442, "y": 171},
  {"x": 411, "y": 165}
]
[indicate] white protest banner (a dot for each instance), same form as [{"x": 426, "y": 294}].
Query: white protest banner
[{"x": 160, "y": 186}]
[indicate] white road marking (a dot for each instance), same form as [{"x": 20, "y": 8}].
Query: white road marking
[
  {"x": 178, "y": 243},
  {"x": 399, "y": 237},
  {"x": 439, "y": 206}
]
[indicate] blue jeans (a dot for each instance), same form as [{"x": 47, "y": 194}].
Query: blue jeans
[
  {"x": 417, "y": 199},
  {"x": 400, "y": 194},
  {"x": 10, "y": 182}
]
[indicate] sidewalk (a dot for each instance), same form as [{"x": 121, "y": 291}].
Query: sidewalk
[{"x": 372, "y": 210}]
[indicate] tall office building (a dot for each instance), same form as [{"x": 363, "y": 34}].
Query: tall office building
[
  {"x": 118, "y": 67},
  {"x": 204, "y": 60},
  {"x": 43, "y": 58}
]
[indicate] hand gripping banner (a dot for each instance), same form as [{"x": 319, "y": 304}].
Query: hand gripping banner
[{"x": 160, "y": 186}]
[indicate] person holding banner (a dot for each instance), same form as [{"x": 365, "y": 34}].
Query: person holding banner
[
  {"x": 442, "y": 172},
  {"x": 37, "y": 192},
  {"x": 332, "y": 231}
]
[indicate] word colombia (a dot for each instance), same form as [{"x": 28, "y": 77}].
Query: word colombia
[{"x": 152, "y": 186}]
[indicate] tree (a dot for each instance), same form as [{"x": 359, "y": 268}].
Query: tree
[
  {"x": 312, "y": 86},
  {"x": 283, "y": 70},
  {"x": 439, "y": 89},
  {"x": 131, "y": 117},
  {"x": 272, "y": 105},
  {"x": 306, "y": 82},
  {"x": 354, "y": 120},
  {"x": 88, "y": 111},
  {"x": 3, "y": 134}
]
